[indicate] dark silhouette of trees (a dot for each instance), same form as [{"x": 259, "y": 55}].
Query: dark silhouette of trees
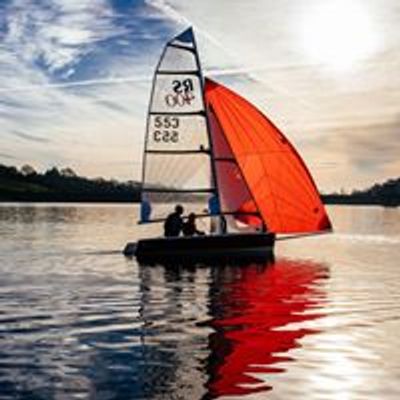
[
  {"x": 387, "y": 194},
  {"x": 27, "y": 170},
  {"x": 64, "y": 185},
  {"x": 61, "y": 186}
]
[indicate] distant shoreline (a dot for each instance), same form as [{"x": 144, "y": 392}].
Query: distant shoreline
[
  {"x": 65, "y": 186},
  {"x": 338, "y": 202}
]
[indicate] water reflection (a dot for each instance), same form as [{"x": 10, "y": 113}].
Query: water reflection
[
  {"x": 173, "y": 301},
  {"x": 227, "y": 327},
  {"x": 252, "y": 308},
  {"x": 79, "y": 322}
]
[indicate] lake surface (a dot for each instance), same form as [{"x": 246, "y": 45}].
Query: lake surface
[{"x": 80, "y": 321}]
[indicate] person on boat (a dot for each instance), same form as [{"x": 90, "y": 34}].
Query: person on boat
[
  {"x": 145, "y": 211},
  {"x": 218, "y": 222},
  {"x": 189, "y": 227},
  {"x": 174, "y": 222}
]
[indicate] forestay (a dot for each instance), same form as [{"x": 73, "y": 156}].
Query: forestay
[{"x": 177, "y": 165}]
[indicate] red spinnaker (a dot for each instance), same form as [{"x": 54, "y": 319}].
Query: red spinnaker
[{"x": 280, "y": 184}]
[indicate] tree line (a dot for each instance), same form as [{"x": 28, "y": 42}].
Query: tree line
[
  {"x": 62, "y": 185},
  {"x": 386, "y": 194}
]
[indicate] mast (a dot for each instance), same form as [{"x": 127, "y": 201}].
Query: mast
[{"x": 214, "y": 177}]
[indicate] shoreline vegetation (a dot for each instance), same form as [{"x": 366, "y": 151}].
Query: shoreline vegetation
[{"x": 64, "y": 185}]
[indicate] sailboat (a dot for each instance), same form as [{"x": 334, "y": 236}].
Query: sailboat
[{"x": 213, "y": 152}]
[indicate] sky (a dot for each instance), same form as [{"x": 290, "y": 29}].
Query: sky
[{"x": 75, "y": 79}]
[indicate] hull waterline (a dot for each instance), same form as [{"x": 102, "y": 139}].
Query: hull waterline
[{"x": 229, "y": 247}]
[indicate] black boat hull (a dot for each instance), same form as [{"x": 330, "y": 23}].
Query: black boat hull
[{"x": 233, "y": 246}]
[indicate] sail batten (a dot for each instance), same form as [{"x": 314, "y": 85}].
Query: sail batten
[{"x": 278, "y": 179}]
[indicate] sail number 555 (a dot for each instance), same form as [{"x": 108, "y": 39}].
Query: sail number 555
[{"x": 166, "y": 129}]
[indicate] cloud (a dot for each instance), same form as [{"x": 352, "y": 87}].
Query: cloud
[
  {"x": 56, "y": 34},
  {"x": 7, "y": 156},
  {"x": 77, "y": 84},
  {"x": 48, "y": 47},
  {"x": 371, "y": 147},
  {"x": 27, "y": 136}
]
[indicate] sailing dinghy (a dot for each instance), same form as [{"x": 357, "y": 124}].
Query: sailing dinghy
[{"x": 213, "y": 152}]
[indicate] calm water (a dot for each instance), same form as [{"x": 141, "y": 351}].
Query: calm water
[{"x": 79, "y": 321}]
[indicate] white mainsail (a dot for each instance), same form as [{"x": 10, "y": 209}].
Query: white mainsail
[{"x": 177, "y": 167}]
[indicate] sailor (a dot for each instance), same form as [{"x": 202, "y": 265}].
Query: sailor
[
  {"x": 218, "y": 222},
  {"x": 145, "y": 210},
  {"x": 189, "y": 227},
  {"x": 173, "y": 224}
]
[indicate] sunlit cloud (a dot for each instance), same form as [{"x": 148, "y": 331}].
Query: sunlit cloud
[{"x": 339, "y": 34}]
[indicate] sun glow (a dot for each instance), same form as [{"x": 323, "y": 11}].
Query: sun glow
[{"x": 339, "y": 34}]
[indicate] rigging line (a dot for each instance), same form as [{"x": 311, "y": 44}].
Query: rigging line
[{"x": 302, "y": 235}]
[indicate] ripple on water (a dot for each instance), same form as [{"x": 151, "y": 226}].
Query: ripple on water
[{"x": 322, "y": 322}]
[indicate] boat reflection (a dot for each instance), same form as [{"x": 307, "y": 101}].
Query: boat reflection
[
  {"x": 251, "y": 310},
  {"x": 257, "y": 315}
]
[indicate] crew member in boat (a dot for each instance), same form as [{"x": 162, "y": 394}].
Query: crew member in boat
[
  {"x": 189, "y": 227},
  {"x": 174, "y": 222},
  {"x": 218, "y": 222},
  {"x": 145, "y": 210}
]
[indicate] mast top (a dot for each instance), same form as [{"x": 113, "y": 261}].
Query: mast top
[{"x": 187, "y": 36}]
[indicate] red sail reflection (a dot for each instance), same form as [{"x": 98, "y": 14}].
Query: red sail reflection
[{"x": 249, "y": 305}]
